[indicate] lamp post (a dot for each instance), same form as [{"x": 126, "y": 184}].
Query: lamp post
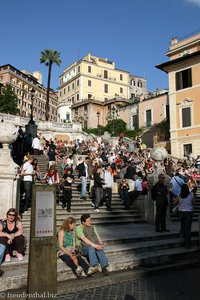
[
  {"x": 98, "y": 115},
  {"x": 31, "y": 116},
  {"x": 113, "y": 117}
]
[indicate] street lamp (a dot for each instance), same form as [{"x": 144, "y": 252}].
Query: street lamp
[
  {"x": 31, "y": 116},
  {"x": 98, "y": 115},
  {"x": 113, "y": 117}
]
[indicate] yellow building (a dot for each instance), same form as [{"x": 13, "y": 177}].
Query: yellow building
[
  {"x": 96, "y": 81},
  {"x": 28, "y": 88},
  {"x": 183, "y": 70}
]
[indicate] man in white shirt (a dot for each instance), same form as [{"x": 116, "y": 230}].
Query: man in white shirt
[
  {"x": 137, "y": 191},
  {"x": 27, "y": 173},
  {"x": 109, "y": 183},
  {"x": 36, "y": 145}
]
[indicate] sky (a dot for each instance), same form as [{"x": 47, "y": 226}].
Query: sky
[{"x": 135, "y": 34}]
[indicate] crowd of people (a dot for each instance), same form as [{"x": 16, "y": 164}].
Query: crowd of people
[{"x": 124, "y": 167}]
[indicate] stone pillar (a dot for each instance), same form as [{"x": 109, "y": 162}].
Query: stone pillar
[{"x": 9, "y": 171}]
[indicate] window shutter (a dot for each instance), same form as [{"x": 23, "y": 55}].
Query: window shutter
[
  {"x": 178, "y": 81},
  {"x": 186, "y": 117}
]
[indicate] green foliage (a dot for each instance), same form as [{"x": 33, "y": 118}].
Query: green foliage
[
  {"x": 132, "y": 133},
  {"x": 49, "y": 57},
  {"x": 119, "y": 126},
  {"x": 8, "y": 100}
]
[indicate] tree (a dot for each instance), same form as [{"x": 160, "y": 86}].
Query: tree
[
  {"x": 8, "y": 100},
  {"x": 119, "y": 126},
  {"x": 49, "y": 57}
]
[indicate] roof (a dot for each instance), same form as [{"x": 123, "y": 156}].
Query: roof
[{"x": 177, "y": 60}]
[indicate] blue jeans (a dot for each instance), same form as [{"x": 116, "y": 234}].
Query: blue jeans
[
  {"x": 2, "y": 251},
  {"x": 83, "y": 186},
  {"x": 98, "y": 196},
  {"x": 95, "y": 256},
  {"x": 28, "y": 191}
]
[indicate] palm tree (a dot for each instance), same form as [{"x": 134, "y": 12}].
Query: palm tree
[{"x": 49, "y": 57}]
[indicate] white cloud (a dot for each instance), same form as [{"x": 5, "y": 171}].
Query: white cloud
[{"x": 194, "y": 1}]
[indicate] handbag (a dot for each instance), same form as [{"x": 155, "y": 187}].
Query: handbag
[{"x": 175, "y": 211}]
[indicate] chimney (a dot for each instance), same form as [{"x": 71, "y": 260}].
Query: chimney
[{"x": 174, "y": 40}]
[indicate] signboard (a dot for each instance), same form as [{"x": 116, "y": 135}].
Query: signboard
[
  {"x": 44, "y": 213},
  {"x": 42, "y": 242}
]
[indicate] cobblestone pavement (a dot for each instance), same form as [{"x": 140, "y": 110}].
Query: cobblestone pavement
[{"x": 166, "y": 285}]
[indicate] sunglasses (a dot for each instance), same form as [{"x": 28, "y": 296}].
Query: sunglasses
[{"x": 13, "y": 215}]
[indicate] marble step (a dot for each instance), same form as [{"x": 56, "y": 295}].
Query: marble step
[{"x": 16, "y": 277}]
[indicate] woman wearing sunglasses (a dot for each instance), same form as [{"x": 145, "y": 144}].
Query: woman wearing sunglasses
[{"x": 11, "y": 235}]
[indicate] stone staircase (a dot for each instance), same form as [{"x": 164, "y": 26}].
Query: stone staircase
[
  {"x": 124, "y": 253},
  {"x": 131, "y": 244}
]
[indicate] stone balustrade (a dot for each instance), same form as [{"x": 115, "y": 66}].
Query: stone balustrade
[{"x": 42, "y": 125}]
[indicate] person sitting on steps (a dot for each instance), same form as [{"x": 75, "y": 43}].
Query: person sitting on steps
[
  {"x": 11, "y": 235},
  {"x": 67, "y": 251},
  {"x": 91, "y": 244}
]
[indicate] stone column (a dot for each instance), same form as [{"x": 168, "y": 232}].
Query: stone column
[{"x": 9, "y": 171}]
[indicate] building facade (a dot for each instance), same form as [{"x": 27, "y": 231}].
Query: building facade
[
  {"x": 183, "y": 69},
  {"x": 96, "y": 81},
  {"x": 29, "y": 90}
]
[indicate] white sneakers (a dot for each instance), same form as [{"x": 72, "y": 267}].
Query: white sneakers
[
  {"x": 97, "y": 210},
  {"x": 7, "y": 258},
  {"x": 79, "y": 271},
  {"x": 19, "y": 256},
  {"x": 92, "y": 270}
]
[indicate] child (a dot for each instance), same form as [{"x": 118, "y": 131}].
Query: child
[{"x": 123, "y": 189}]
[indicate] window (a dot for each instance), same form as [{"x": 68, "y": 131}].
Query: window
[
  {"x": 148, "y": 118},
  {"x": 89, "y": 69},
  {"x": 79, "y": 69},
  {"x": 89, "y": 96},
  {"x": 167, "y": 111},
  {"x": 64, "y": 92},
  {"x": 187, "y": 149},
  {"x": 73, "y": 85},
  {"x": 183, "y": 79},
  {"x": 68, "y": 88},
  {"x": 89, "y": 83},
  {"x": 105, "y": 74},
  {"x": 67, "y": 116},
  {"x": 77, "y": 82},
  {"x": 105, "y": 88},
  {"x": 135, "y": 121},
  {"x": 186, "y": 117},
  {"x": 77, "y": 97},
  {"x": 121, "y": 90},
  {"x": 121, "y": 77}
]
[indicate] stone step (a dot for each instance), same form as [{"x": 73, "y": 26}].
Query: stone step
[
  {"x": 119, "y": 247},
  {"x": 118, "y": 260},
  {"x": 111, "y": 221}
]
